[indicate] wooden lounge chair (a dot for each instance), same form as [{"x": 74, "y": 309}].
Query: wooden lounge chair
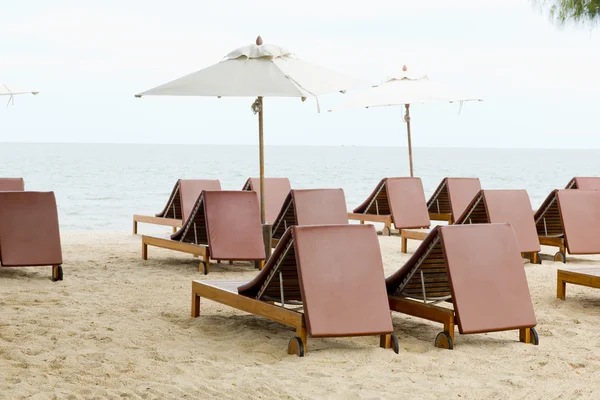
[
  {"x": 182, "y": 199},
  {"x": 223, "y": 225},
  {"x": 324, "y": 281},
  {"x": 310, "y": 207},
  {"x": 451, "y": 197},
  {"x": 570, "y": 220},
  {"x": 276, "y": 190},
  {"x": 476, "y": 268},
  {"x": 585, "y": 183},
  {"x": 496, "y": 206},
  {"x": 398, "y": 201},
  {"x": 12, "y": 185},
  {"x": 585, "y": 276},
  {"x": 29, "y": 233}
]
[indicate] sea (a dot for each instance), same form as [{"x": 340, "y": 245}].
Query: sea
[{"x": 99, "y": 187}]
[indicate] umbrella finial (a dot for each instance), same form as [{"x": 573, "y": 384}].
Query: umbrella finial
[
  {"x": 259, "y": 41},
  {"x": 404, "y": 68}
]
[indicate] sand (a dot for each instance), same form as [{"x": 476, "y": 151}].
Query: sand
[{"x": 119, "y": 327}]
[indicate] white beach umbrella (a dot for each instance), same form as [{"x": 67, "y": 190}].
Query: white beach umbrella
[
  {"x": 405, "y": 89},
  {"x": 5, "y": 91},
  {"x": 259, "y": 70}
]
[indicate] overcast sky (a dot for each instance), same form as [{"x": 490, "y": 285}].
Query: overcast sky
[{"x": 540, "y": 82}]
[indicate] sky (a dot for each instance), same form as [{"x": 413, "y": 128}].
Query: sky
[{"x": 539, "y": 81}]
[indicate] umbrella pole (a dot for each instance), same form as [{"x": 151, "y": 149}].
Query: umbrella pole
[
  {"x": 266, "y": 228},
  {"x": 261, "y": 155},
  {"x": 407, "y": 119}
]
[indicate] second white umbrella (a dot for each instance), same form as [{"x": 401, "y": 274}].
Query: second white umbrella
[{"x": 405, "y": 89}]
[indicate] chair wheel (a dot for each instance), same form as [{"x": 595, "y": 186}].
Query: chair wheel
[
  {"x": 560, "y": 256},
  {"x": 535, "y": 339},
  {"x": 295, "y": 346},
  {"x": 395, "y": 344},
  {"x": 57, "y": 274},
  {"x": 444, "y": 341}
]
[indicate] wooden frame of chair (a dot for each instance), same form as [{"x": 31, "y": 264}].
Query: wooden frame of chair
[
  {"x": 576, "y": 276},
  {"x": 440, "y": 216},
  {"x": 137, "y": 218},
  {"x": 550, "y": 229},
  {"x": 184, "y": 247},
  {"x": 413, "y": 298},
  {"x": 380, "y": 196},
  {"x": 172, "y": 208}
]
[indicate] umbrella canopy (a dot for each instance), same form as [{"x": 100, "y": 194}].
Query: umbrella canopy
[
  {"x": 5, "y": 91},
  {"x": 259, "y": 70},
  {"x": 406, "y": 89}
]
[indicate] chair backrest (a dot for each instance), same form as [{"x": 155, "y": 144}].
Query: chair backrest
[
  {"x": 585, "y": 183},
  {"x": 337, "y": 273},
  {"x": 377, "y": 202},
  {"x": 184, "y": 196},
  {"x": 276, "y": 190},
  {"x": 510, "y": 206},
  {"x": 311, "y": 207},
  {"x": 492, "y": 295},
  {"x": 479, "y": 266},
  {"x": 12, "y": 185},
  {"x": 453, "y": 195},
  {"x": 29, "y": 231},
  {"x": 320, "y": 206},
  {"x": 228, "y": 222},
  {"x": 461, "y": 191},
  {"x": 580, "y": 216},
  {"x": 407, "y": 203},
  {"x": 190, "y": 190}
]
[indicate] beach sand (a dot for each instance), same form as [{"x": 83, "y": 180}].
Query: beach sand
[{"x": 119, "y": 327}]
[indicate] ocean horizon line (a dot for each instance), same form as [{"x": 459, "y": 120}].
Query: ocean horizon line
[{"x": 301, "y": 145}]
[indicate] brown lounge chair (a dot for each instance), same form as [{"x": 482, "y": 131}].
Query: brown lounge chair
[
  {"x": 451, "y": 197},
  {"x": 223, "y": 225},
  {"x": 400, "y": 201},
  {"x": 12, "y": 185},
  {"x": 310, "y": 207},
  {"x": 478, "y": 269},
  {"x": 276, "y": 190},
  {"x": 334, "y": 272},
  {"x": 496, "y": 206},
  {"x": 180, "y": 204},
  {"x": 570, "y": 220},
  {"x": 29, "y": 233},
  {"x": 585, "y": 183}
]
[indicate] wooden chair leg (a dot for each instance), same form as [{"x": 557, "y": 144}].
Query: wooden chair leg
[
  {"x": 449, "y": 327},
  {"x": 524, "y": 335},
  {"x": 174, "y": 229},
  {"x": 385, "y": 341},
  {"x": 561, "y": 287},
  {"x": 135, "y": 229},
  {"x": 195, "y": 305},
  {"x": 404, "y": 245},
  {"x": 301, "y": 333},
  {"x": 144, "y": 251}
]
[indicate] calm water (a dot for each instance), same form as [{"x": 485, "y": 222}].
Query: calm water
[{"x": 99, "y": 186}]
